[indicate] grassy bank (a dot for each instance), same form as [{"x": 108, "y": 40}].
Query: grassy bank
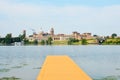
[
  {"x": 112, "y": 41},
  {"x": 60, "y": 42},
  {"x": 108, "y": 41},
  {"x": 65, "y": 42}
]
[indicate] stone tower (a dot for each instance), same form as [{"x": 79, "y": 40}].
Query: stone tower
[
  {"x": 52, "y": 31},
  {"x": 24, "y": 33}
]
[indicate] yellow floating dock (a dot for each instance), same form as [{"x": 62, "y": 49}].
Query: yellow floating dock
[{"x": 61, "y": 68}]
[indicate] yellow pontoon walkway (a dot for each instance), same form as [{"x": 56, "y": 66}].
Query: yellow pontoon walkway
[{"x": 61, "y": 68}]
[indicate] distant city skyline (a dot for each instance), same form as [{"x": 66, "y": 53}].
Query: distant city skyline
[{"x": 99, "y": 17}]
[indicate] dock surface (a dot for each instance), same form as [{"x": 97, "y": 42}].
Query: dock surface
[{"x": 61, "y": 68}]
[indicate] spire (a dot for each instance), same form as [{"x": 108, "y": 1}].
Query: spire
[{"x": 52, "y": 31}]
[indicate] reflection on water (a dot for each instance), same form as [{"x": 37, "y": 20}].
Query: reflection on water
[
  {"x": 109, "y": 78},
  {"x": 9, "y": 78},
  {"x": 25, "y": 62},
  {"x": 4, "y": 70}
]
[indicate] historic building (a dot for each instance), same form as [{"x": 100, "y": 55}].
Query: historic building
[
  {"x": 86, "y": 36},
  {"x": 24, "y": 33},
  {"x": 61, "y": 37},
  {"x": 82, "y": 36},
  {"x": 41, "y": 35},
  {"x": 52, "y": 32},
  {"x": 58, "y": 37}
]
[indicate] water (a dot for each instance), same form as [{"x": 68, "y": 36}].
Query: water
[{"x": 25, "y": 61}]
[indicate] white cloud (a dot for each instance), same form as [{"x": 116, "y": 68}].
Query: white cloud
[{"x": 88, "y": 18}]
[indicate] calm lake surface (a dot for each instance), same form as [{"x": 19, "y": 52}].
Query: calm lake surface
[{"x": 25, "y": 61}]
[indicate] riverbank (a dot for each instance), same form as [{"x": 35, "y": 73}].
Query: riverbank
[
  {"x": 109, "y": 41},
  {"x": 112, "y": 41}
]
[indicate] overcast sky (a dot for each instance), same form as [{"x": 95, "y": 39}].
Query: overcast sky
[{"x": 100, "y": 17}]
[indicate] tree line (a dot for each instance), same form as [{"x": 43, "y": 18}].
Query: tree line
[
  {"x": 8, "y": 39},
  {"x": 71, "y": 41}
]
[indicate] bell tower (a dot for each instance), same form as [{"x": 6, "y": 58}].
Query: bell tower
[
  {"x": 52, "y": 31},
  {"x": 24, "y": 33}
]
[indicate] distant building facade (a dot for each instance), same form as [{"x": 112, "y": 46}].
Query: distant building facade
[
  {"x": 52, "y": 32},
  {"x": 62, "y": 37},
  {"x": 58, "y": 37}
]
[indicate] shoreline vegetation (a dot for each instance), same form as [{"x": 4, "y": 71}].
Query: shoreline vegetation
[
  {"x": 71, "y": 41},
  {"x": 96, "y": 40}
]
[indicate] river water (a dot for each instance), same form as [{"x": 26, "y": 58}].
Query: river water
[{"x": 25, "y": 61}]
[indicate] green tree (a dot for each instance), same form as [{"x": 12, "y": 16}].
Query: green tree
[
  {"x": 72, "y": 40},
  {"x": 46, "y": 42},
  {"x": 69, "y": 42},
  {"x": 95, "y": 35},
  {"x": 16, "y": 39},
  {"x": 42, "y": 42},
  {"x": 75, "y": 40},
  {"x": 114, "y": 35},
  {"x": 22, "y": 37},
  {"x": 35, "y": 42},
  {"x": 26, "y": 41},
  {"x": 2, "y": 40},
  {"x": 8, "y": 39},
  {"x": 49, "y": 40},
  {"x": 83, "y": 41}
]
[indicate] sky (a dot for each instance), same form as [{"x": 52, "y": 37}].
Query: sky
[{"x": 100, "y": 17}]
